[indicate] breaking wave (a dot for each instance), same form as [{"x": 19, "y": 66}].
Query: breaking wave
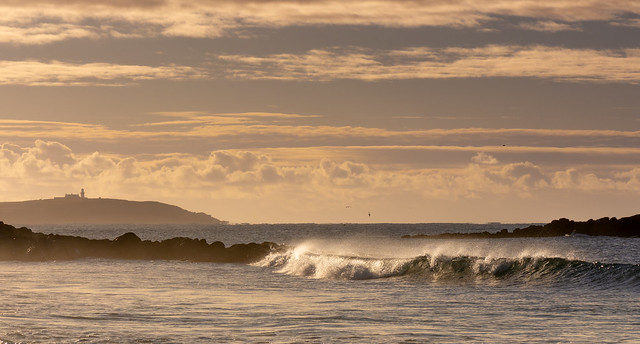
[{"x": 298, "y": 261}]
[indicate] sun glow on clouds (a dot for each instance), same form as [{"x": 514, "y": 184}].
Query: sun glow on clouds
[
  {"x": 428, "y": 63},
  {"x": 256, "y": 177},
  {"x": 201, "y": 119},
  {"x": 548, "y": 26},
  {"x": 56, "y": 73},
  {"x": 40, "y": 22},
  {"x": 321, "y": 65},
  {"x": 120, "y": 72},
  {"x": 188, "y": 130}
]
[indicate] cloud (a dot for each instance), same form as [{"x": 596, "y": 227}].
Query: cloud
[
  {"x": 200, "y": 119},
  {"x": 577, "y": 65},
  {"x": 54, "y": 152},
  {"x": 45, "y": 160},
  {"x": 484, "y": 159},
  {"x": 57, "y": 73},
  {"x": 346, "y": 173},
  {"x": 47, "y": 168},
  {"x": 10, "y": 152},
  {"x": 574, "y": 179},
  {"x": 242, "y": 161},
  {"x": 58, "y": 20},
  {"x": 199, "y": 134},
  {"x": 45, "y": 33},
  {"x": 253, "y": 169},
  {"x": 548, "y": 26},
  {"x": 628, "y": 22},
  {"x": 525, "y": 176}
]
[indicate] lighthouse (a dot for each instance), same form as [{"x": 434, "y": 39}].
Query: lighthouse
[{"x": 82, "y": 193}]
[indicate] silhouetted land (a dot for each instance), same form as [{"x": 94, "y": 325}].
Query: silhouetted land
[
  {"x": 24, "y": 244},
  {"x": 98, "y": 211},
  {"x": 624, "y": 227}
]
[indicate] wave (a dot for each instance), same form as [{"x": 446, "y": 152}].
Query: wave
[{"x": 454, "y": 268}]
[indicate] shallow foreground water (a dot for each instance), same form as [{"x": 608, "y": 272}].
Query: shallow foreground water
[{"x": 352, "y": 284}]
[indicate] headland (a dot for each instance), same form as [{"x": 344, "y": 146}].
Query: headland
[{"x": 77, "y": 209}]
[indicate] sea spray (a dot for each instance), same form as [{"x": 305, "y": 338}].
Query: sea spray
[
  {"x": 466, "y": 261},
  {"x": 324, "y": 266}
]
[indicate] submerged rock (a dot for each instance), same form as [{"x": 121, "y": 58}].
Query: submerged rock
[{"x": 24, "y": 244}]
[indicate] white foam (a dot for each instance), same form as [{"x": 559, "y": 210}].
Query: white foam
[{"x": 366, "y": 258}]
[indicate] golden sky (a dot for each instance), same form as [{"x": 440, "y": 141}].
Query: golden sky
[{"x": 323, "y": 111}]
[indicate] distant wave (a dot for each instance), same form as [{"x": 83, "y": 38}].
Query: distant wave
[{"x": 455, "y": 268}]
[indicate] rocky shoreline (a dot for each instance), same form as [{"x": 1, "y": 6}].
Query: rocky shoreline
[
  {"x": 25, "y": 245},
  {"x": 626, "y": 227}
]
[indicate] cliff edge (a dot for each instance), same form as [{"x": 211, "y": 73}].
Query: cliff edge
[{"x": 98, "y": 211}]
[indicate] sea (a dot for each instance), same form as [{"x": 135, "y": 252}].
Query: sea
[{"x": 335, "y": 283}]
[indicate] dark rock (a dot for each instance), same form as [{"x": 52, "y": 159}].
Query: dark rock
[
  {"x": 126, "y": 239},
  {"x": 23, "y": 244},
  {"x": 625, "y": 227}
]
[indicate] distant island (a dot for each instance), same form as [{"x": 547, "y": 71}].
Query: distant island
[
  {"x": 77, "y": 209},
  {"x": 627, "y": 227}
]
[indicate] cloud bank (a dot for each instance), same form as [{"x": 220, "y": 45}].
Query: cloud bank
[
  {"x": 251, "y": 176},
  {"x": 57, "y": 73},
  {"x": 427, "y": 63},
  {"x": 234, "y": 131},
  {"x": 494, "y": 61},
  {"x": 41, "y": 22}
]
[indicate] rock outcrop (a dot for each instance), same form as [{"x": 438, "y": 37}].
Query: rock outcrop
[
  {"x": 626, "y": 227},
  {"x": 24, "y": 244}
]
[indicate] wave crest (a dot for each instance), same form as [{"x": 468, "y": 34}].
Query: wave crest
[
  {"x": 454, "y": 268},
  {"x": 333, "y": 266}
]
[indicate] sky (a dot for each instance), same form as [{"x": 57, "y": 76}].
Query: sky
[{"x": 286, "y": 111}]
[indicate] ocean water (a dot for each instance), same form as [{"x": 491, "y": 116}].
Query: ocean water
[{"x": 335, "y": 284}]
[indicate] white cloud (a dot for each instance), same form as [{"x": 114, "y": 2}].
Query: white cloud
[
  {"x": 484, "y": 158},
  {"x": 346, "y": 174},
  {"x": 11, "y": 152},
  {"x": 54, "y": 152},
  {"x": 525, "y": 176},
  {"x": 574, "y": 179},
  {"x": 243, "y": 161},
  {"x": 92, "y": 165}
]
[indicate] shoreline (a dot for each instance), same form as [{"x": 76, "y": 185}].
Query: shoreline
[{"x": 23, "y": 244}]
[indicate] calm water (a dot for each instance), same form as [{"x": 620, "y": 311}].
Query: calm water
[{"x": 351, "y": 284}]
